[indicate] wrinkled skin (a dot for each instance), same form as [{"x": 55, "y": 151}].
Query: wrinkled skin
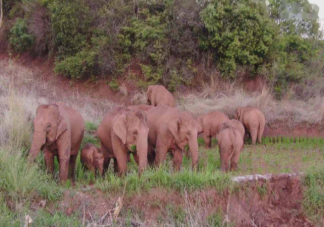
[
  {"x": 92, "y": 158},
  {"x": 211, "y": 123},
  {"x": 121, "y": 132},
  {"x": 253, "y": 121},
  {"x": 171, "y": 130},
  {"x": 58, "y": 130},
  {"x": 159, "y": 95},
  {"x": 230, "y": 142}
]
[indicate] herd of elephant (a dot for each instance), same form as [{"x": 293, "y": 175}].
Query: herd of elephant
[{"x": 148, "y": 131}]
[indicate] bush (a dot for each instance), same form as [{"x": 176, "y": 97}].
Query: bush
[
  {"x": 70, "y": 26},
  {"x": 19, "y": 38},
  {"x": 78, "y": 66}
]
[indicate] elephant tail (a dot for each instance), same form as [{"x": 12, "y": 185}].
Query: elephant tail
[{"x": 261, "y": 127}]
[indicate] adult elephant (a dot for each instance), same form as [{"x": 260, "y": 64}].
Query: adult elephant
[
  {"x": 171, "y": 130},
  {"x": 121, "y": 132},
  {"x": 230, "y": 141},
  {"x": 211, "y": 123},
  {"x": 159, "y": 95},
  {"x": 58, "y": 131},
  {"x": 253, "y": 121}
]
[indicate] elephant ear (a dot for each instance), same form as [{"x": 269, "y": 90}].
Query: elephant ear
[
  {"x": 174, "y": 128},
  {"x": 119, "y": 128},
  {"x": 62, "y": 127}
]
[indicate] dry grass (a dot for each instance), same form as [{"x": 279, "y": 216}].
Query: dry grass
[{"x": 289, "y": 110}]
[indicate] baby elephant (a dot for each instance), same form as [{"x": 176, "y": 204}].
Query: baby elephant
[
  {"x": 230, "y": 142},
  {"x": 92, "y": 158}
]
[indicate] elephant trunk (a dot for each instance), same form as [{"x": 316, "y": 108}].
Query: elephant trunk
[
  {"x": 39, "y": 140},
  {"x": 193, "y": 146},
  {"x": 141, "y": 148}
]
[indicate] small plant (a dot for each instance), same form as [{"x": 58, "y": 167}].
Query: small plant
[{"x": 114, "y": 85}]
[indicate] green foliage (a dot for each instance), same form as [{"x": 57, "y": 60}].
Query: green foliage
[
  {"x": 90, "y": 126},
  {"x": 19, "y": 38},
  {"x": 78, "y": 66},
  {"x": 19, "y": 181},
  {"x": 70, "y": 25},
  {"x": 239, "y": 32},
  {"x": 114, "y": 85},
  {"x": 314, "y": 194}
]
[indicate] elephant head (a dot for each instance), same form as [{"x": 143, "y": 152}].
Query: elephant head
[
  {"x": 48, "y": 126},
  {"x": 131, "y": 127},
  {"x": 185, "y": 131}
]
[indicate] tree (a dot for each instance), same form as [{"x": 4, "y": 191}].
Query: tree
[
  {"x": 238, "y": 32},
  {"x": 295, "y": 17}
]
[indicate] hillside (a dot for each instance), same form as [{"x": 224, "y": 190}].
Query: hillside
[{"x": 160, "y": 197}]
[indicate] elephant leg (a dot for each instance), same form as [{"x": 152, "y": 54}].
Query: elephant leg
[
  {"x": 161, "y": 152},
  {"x": 72, "y": 166},
  {"x": 64, "y": 151},
  {"x": 207, "y": 139},
  {"x": 254, "y": 134},
  {"x": 136, "y": 158},
  {"x": 224, "y": 156},
  {"x": 177, "y": 159},
  {"x": 49, "y": 161},
  {"x": 234, "y": 161},
  {"x": 106, "y": 165},
  {"x": 115, "y": 166}
]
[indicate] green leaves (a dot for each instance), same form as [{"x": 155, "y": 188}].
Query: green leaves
[
  {"x": 20, "y": 39},
  {"x": 239, "y": 32}
]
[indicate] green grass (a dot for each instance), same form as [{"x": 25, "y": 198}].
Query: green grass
[{"x": 314, "y": 193}]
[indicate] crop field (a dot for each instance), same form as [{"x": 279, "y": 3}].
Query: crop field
[
  {"x": 24, "y": 187},
  {"x": 160, "y": 197}
]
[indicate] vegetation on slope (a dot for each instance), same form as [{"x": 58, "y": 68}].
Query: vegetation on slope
[{"x": 175, "y": 42}]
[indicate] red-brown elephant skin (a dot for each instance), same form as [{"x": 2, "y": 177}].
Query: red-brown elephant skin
[
  {"x": 159, "y": 95},
  {"x": 121, "y": 132},
  {"x": 58, "y": 131},
  {"x": 92, "y": 158}
]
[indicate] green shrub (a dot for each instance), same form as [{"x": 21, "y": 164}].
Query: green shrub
[
  {"x": 70, "y": 26},
  {"x": 19, "y": 38},
  {"x": 82, "y": 65},
  {"x": 114, "y": 85}
]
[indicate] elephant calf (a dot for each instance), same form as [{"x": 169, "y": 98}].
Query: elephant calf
[
  {"x": 230, "y": 142},
  {"x": 58, "y": 131},
  {"x": 121, "y": 132},
  {"x": 211, "y": 123},
  {"x": 253, "y": 121},
  {"x": 92, "y": 158},
  {"x": 159, "y": 95}
]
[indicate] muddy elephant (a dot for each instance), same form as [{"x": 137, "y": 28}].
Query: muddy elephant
[
  {"x": 58, "y": 130},
  {"x": 171, "y": 130},
  {"x": 121, "y": 132},
  {"x": 230, "y": 142},
  {"x": 253, "y": 121},
  {"x": 159, "y": 95},
  {"x": 211, "y": 123},
  {"x": 92, "y": 158}
]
